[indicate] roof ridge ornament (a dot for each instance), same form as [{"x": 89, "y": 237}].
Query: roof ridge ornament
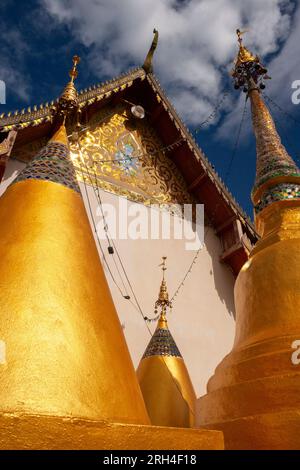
[{"x": 147, "y": 65}]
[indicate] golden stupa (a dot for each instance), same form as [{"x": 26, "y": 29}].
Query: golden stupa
[
  {"x": 254, "y": 395},
  {"x": 164, "y": 379},
  {"x": 63, "y": 339}
]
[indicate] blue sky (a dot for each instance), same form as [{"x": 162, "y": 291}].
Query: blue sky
[{"x": 196, "y": 48}]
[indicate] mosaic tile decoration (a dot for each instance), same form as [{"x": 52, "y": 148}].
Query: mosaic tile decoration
[
  {"x": 162, "y": 344},
  {"x": 272, "y": 158},
  {"x": 53, "y": 164},
  {"x": 275, "y": 169},
  {"x": 280, "y": 192}
]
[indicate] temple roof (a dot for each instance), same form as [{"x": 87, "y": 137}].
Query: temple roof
[{"x": 143, "y": 88}]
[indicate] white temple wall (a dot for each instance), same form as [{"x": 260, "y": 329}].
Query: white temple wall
[{"x": 202, "y": 321}]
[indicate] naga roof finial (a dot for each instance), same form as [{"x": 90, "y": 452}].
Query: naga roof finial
[{"x": 147, "y": 65}]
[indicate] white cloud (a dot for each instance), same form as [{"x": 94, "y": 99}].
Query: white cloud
[
  {"x": 14, "y": 80},
  {"x": 197, "y": 40},
  {"x": 284, "y": 68},
  {"x": 13, "y": 49}
]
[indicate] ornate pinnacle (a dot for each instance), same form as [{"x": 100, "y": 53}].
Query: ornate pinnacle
[
  {"x": 163, "y": 297},
  {"x": 69, "y": 98},
  {"x": 74, "y": 72},
  {"x": 248, "y": 70}
]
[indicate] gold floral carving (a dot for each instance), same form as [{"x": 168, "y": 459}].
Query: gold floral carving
[{"x": 124, "y": 156}]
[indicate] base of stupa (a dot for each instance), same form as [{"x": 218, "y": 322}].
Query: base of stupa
[
  {"x": 254, "y": 397},
  {"x": 270, "y": 431},
  {"x": 23, "y": 431}
]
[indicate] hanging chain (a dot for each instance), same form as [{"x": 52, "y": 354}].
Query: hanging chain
[
  {"x": 213, "y": 113},
  {"x": 270, "y": 100},
  {"x": 237, "y": 141},
  {"x": 166, "y": 149},
  {"x": 283, "y": 129}
]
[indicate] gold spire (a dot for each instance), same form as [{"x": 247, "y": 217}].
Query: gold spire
[
  {"x": 69, "y": 98},
  {"x": 163, "y": 298},
  {"x": 273, "y": 163},
  {"x": 274, "y": 166},
  {"x": 147, "y": 65}
]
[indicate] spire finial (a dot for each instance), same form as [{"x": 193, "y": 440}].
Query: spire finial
[
  {"x": 240, "y": 35},
  {"x": 164, "y": 265},
  {"x": 248, "y": 70},
  {"x": 163, "y": 297},
  {"x": 74, "y": 72},
  {"x": 147, "y": 65},
  {"x": 69, "y": 98}
]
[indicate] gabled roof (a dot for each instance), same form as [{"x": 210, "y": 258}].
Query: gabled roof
[{"x": 203, "y": 182}]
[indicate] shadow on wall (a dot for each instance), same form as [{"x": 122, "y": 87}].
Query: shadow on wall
[{"x": 221, "y": 273}]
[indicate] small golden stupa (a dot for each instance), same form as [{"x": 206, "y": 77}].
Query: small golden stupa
[{"x": 164, "y": 379}]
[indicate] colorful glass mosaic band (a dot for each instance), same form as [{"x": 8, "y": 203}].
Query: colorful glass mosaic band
[
  {"x": 162, "y": 344},
  {"x": 272, "y": 158},
  {"x": 280, "y": 192},
  {"x": 276, "y": 170},
  {"x": 53, "y": 164}
]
